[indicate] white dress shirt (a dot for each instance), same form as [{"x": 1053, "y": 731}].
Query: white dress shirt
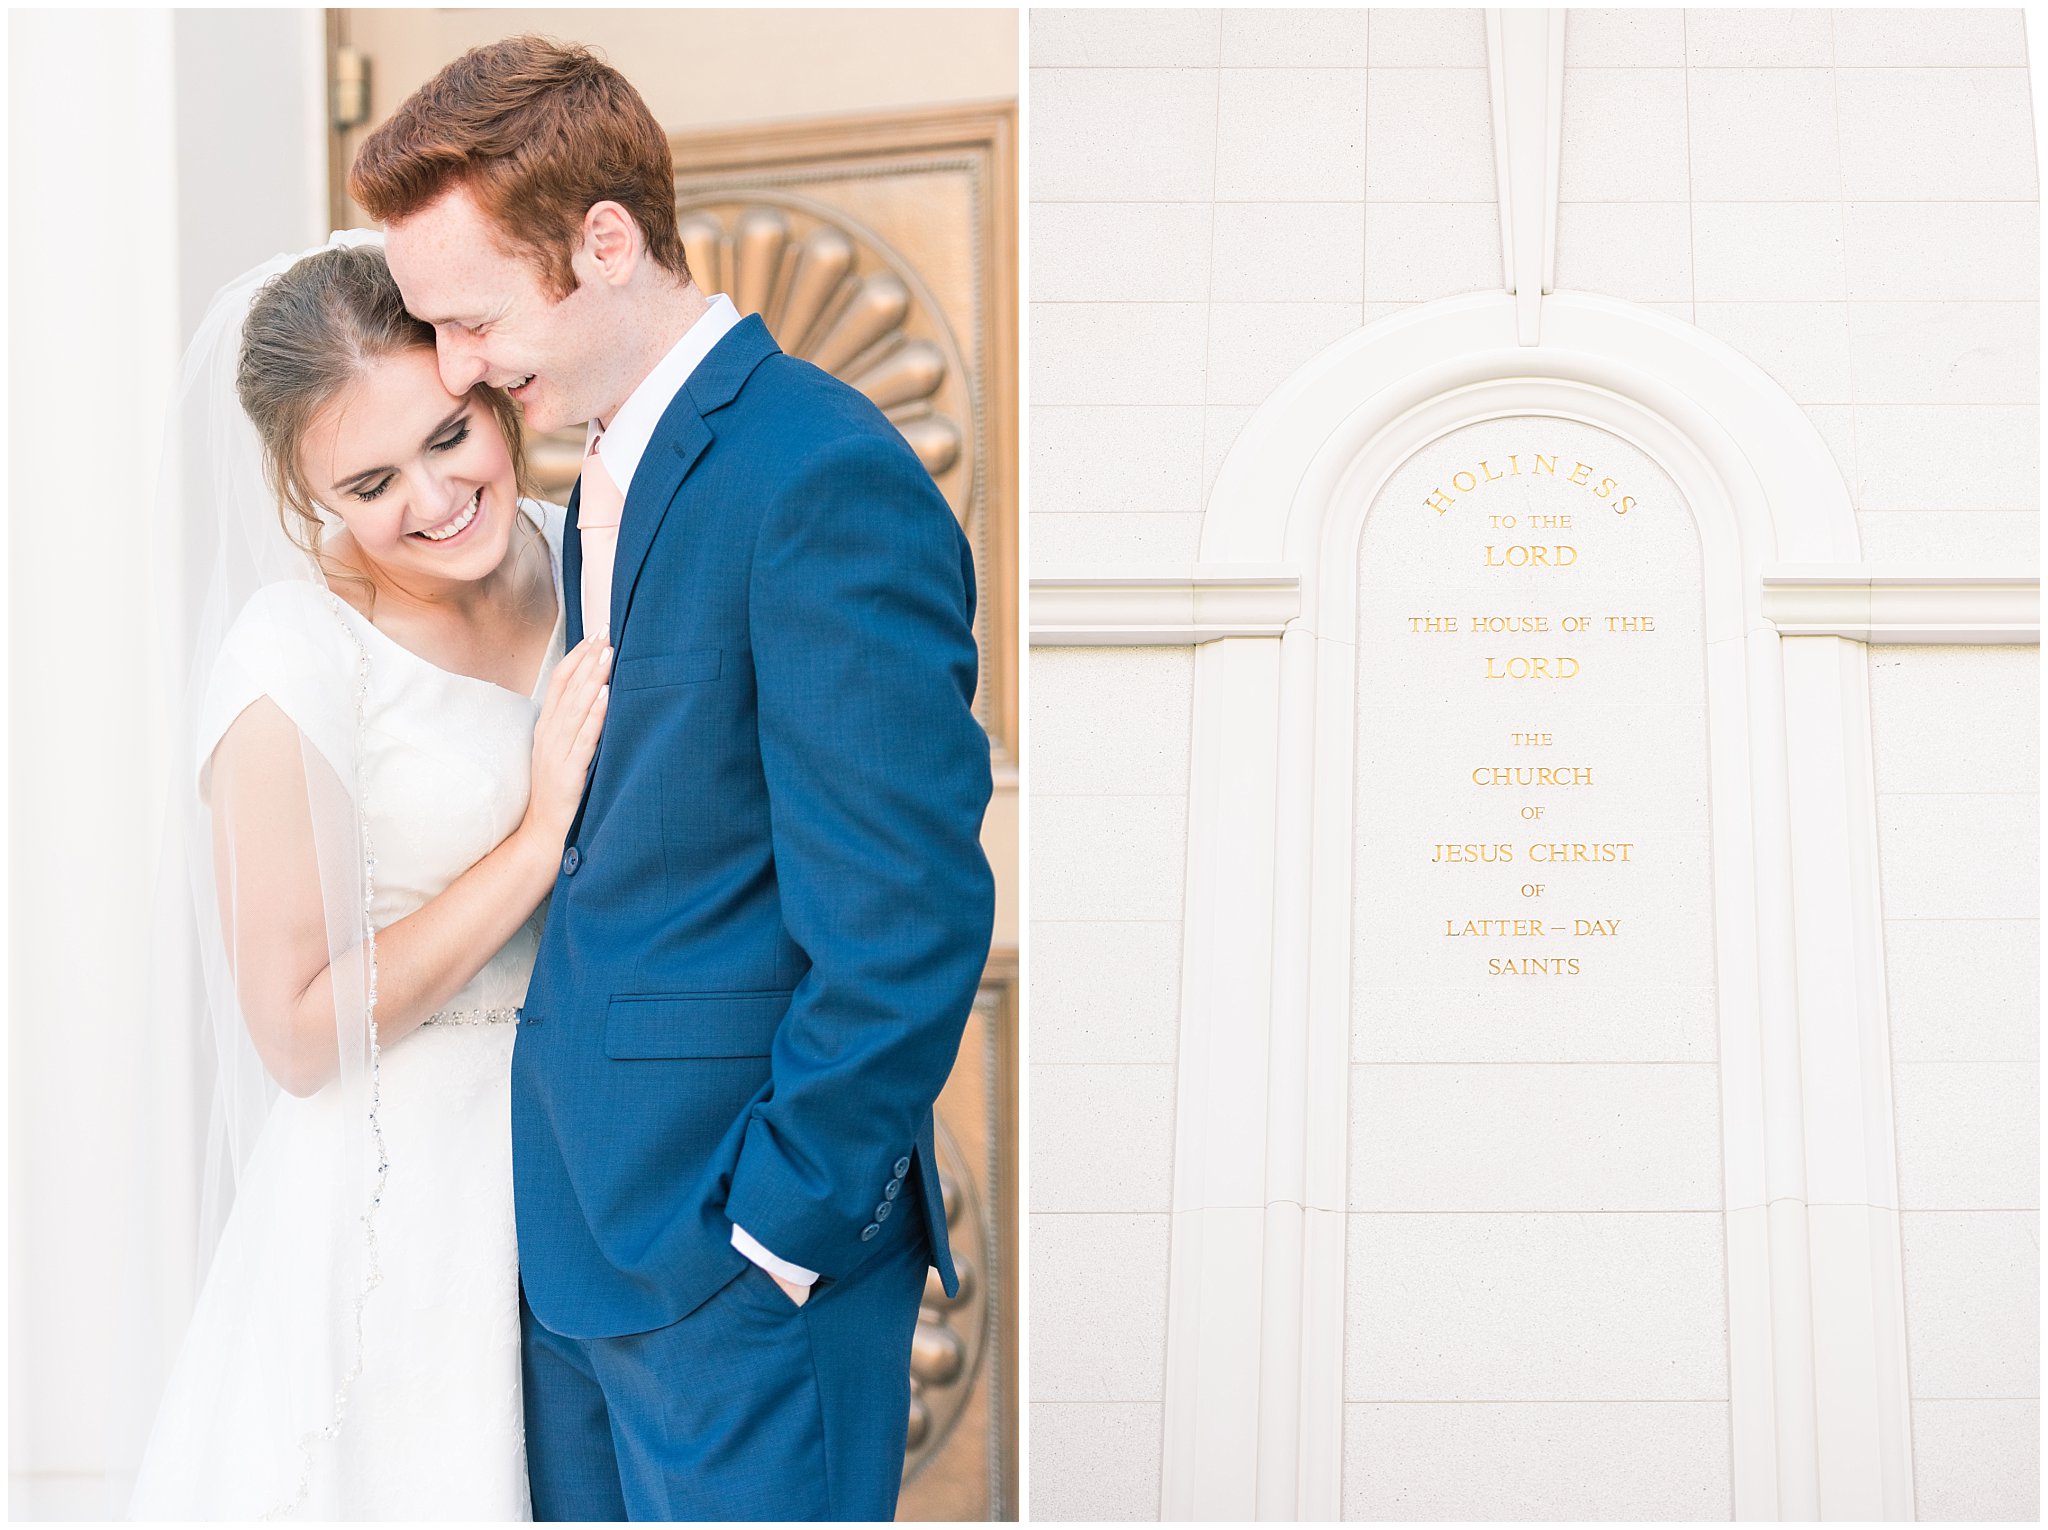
[
  {"x": 626, "y": 436},
  {"x": 624, "y": 443}
]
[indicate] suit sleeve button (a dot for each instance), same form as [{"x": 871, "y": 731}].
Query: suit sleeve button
[
  {"x": 882, "y": 1211},
  {"x": 902, "y": 1167},
  {"x": 571, "y": 859},
  {"x": 869, "y": 1231},
  {"x": 893, "y": 1189}
]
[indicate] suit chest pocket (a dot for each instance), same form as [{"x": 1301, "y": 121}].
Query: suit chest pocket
[{"x": 641, "y": 672}]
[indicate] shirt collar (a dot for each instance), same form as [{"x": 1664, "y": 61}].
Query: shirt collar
[{"x": 625, "y": 439}]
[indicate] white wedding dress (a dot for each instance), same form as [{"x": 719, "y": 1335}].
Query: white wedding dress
[{"x": 429, "y": 1426}]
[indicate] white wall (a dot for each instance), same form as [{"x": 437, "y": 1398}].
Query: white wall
[
  {"x": 181, "y": 160},
  {"x": 1849, "y": 198},
  {"x": 251, "y": 144},
  {"x": 1955, "y": 733},
  {"x": 1108, "y": 740}
]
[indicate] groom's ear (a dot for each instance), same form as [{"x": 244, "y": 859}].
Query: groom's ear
[{"x": 612, "y": 242}]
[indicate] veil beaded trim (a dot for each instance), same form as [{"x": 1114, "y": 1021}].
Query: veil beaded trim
[
  {"x": 373, "y": 1270},
  {"x": 238, "y": 633}
]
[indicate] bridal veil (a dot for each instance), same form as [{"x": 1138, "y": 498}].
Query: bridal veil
[{"x": 243, "y": 633}]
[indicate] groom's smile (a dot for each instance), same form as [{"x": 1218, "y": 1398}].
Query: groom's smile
[{"x": 495, "y": 320}]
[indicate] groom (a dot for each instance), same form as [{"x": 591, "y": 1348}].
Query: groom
[{"x": 773, "y": 909}]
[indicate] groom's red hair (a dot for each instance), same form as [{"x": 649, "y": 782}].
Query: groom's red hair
[{"x": 538, "y": 132}]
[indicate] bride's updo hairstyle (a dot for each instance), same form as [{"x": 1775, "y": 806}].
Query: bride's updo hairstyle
[{"x": 312, "y": 331}]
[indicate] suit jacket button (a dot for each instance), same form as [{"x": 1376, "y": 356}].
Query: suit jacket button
[
  {"x": 893, "y": 1189},
  {"x": 869, "y": 1231},
  {"x": 902, "y": 1167},
  {"x": 882, "y": 1211},
  {"x": 571, "y": 859}
]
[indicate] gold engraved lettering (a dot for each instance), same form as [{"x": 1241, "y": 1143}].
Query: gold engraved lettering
[
  {"x": 1533, "y": 809},
  {"x": 1465, "y": 480},
  {"x": 1532, "y": 775},
  {"x": 1532, "y": 966},
  {"x": 1563, "y": 667},
  {"x": 1522, "y": 555},
  {"x": 1520, "y": 929}
]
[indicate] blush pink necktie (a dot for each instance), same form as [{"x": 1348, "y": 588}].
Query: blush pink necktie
[{"x": 599, "y": 508}]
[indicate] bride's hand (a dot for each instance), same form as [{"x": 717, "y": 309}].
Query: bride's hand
[{"x": 565, "y": 740}]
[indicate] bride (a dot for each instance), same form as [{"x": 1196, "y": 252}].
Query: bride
[{"x": 387, "y": 751}]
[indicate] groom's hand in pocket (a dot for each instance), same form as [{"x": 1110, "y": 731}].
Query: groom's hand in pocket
[{"x": 798, "y": 1290}]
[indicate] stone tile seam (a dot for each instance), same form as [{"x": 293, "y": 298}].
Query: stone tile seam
[
  {"x": 2030, "y": 796},
  {"x": 1648, "y": 1211},
  {"x": 1323, "y": 69},
  {"x": 1834, "y": 202},
  {"x": 1495, "y": 1064},
  {"x": 1174, "y": 793},
  {"x": 1645, "y": 1211},
  {"x": 1807, "y": 68},
  {"x": 1983, "y": 1397},
  {"x": 1279, "y": 201},
  {"x": 1866, "y": 303},
  {"x": 1539, "y": 1402},
  {"x": 1099, "y": 1402}
]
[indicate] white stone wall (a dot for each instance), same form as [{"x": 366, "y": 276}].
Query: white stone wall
[
  {"x": 122, "y": 123},
  {"x": 1108, "y": 739},
  {"x": 1849, "y": 198},
  {"x": 1955, "y": 734}
]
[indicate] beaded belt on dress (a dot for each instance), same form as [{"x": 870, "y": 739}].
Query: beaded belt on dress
[{"x": 472, "y": 1017}]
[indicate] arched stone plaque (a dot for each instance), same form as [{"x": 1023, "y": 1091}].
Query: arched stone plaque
[
  {"x": 1534, "y": 1109},
  {"x": 1533, "y": 878}
]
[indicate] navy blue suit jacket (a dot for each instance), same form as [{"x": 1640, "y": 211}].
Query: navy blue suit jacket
[{"x": 773, "y": 910}]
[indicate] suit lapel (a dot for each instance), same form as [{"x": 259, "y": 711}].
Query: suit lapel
[
  {"x": 677, "y": 444},
  {"x": 679, "y": 441}
]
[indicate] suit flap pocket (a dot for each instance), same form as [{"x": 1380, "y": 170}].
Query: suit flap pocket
[
  {"x": 694, "y": 1024},
  {"x": 646, "y": 670}
]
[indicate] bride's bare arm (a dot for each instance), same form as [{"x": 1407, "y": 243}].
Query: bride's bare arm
[{"x": 267, "y": 859}]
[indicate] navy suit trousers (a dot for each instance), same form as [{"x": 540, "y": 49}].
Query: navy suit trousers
[{"x": 748, "y": 1407}]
